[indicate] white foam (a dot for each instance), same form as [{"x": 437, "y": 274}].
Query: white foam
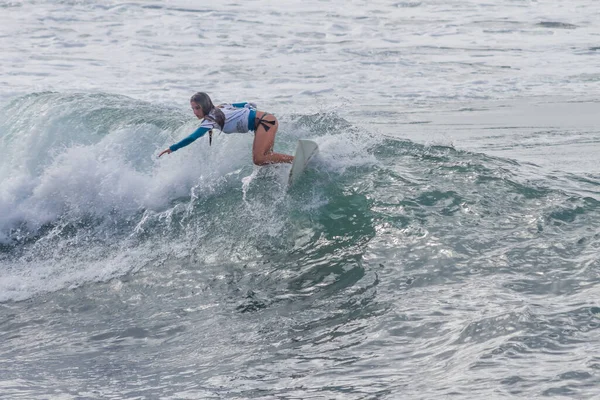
[{"x": 24, "y": 278}]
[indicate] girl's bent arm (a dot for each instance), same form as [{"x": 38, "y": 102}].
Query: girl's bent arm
[{"x": 244, "y": 105}]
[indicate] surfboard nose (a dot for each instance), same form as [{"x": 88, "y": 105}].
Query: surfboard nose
[{"x": 305, "y": 150}]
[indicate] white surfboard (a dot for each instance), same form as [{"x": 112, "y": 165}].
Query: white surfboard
[{"x": 305, "y": 150}]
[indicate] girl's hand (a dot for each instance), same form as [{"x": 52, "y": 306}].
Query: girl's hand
[{"x": 167, "y": 151}]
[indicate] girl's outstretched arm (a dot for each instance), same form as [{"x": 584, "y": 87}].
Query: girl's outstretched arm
[{"x": 198, "y": 133}]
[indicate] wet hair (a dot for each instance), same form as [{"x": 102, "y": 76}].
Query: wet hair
[{"x": 204, "y": 101}]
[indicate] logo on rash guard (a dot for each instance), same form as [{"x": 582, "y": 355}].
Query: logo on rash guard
[{"x": 240, "y": 126}]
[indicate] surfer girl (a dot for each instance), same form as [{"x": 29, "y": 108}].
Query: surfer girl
[{"x": 236, "y": 117}]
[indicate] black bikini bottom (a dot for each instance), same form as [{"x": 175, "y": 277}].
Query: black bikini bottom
[{"x": 264, "y": 123}]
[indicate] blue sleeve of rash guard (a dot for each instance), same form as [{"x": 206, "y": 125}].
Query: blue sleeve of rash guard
[
  {"x": 198, "y": 133},
  {"x": 244, "y": 105}
]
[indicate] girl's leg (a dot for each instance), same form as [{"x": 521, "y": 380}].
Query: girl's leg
[{"x": 264, "y": 140}]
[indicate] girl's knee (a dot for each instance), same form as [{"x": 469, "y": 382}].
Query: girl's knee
[{"x": 259, "y": 160}]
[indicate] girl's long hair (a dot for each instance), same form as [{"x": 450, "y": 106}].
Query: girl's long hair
[{"x": 204, "y": 101}]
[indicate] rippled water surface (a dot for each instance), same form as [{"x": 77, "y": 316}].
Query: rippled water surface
[{"x": 443, "y": 244}]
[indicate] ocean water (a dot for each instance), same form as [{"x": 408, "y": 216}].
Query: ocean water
[{"x": 445, "y": 243}]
